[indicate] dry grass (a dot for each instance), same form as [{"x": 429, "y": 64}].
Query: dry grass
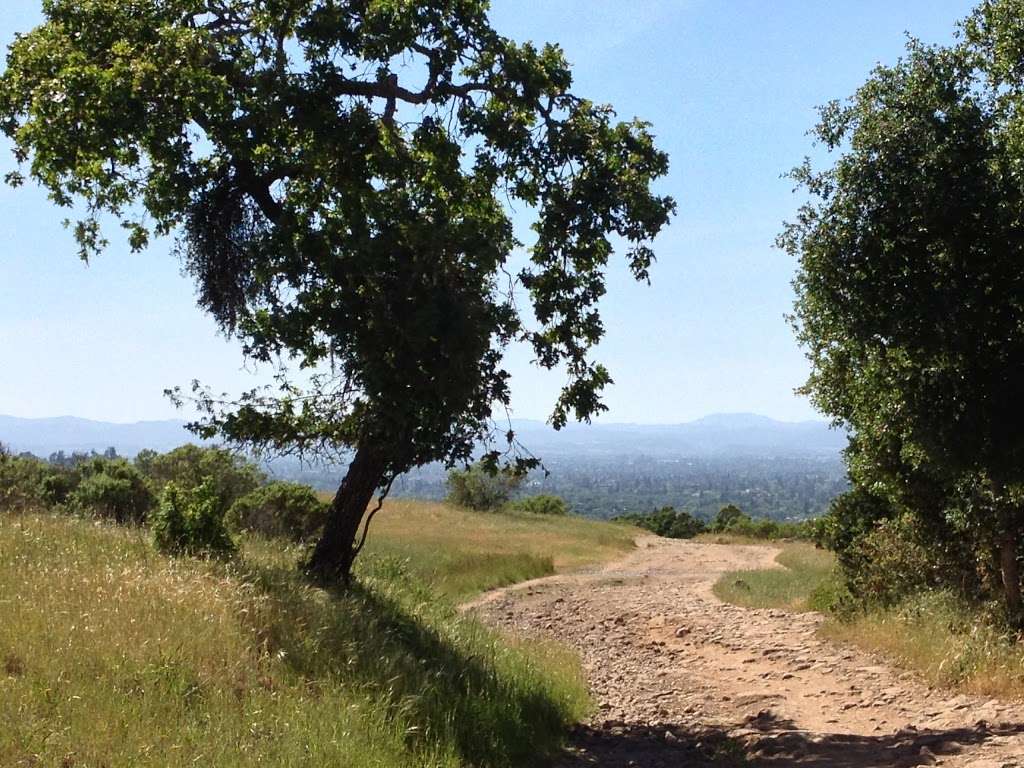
[
  {"x": 113, "y": 655},
  {"x": 940, "y": 638}
]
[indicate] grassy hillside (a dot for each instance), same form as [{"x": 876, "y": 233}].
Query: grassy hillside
[{"x": 113, "y": 655}]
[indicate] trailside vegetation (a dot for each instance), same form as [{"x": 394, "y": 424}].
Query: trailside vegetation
[
  {"x": 541, "y": 504},
  {"x": 340, "y": 177},
  {"x": 387, "y": 673},
  {"x": 150, "y": 650},
  {"x": 909, "y": 299},
  {"x": 666, "y": 522},
  {"x": 730, "y": 521}
]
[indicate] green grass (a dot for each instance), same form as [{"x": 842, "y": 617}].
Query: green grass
[
  {"x": 462, "y": 553},
  {"x": 112, "y": 655},
  {"x": 803, "y": 583}
]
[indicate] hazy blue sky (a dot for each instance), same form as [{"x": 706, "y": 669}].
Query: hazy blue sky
[{"x": 731, "y": 88}]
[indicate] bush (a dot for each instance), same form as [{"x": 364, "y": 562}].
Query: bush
[
  {"x": 189, "y": 466},
  {"x": 732, "y": 520},
  {"x": 542, "y": 504},
  {"x": 476, "y": 488},
  {"x": 21, "y": 482},
  {"x": 729, "y": 517},
  {"x": 281, "y": 510},
  {"x": 667, "y": 522},
  {"x": 59, "y": 483},
  {"x": 191, "y": 522},
  {"x": 888, "y": 564},
  {"x": 851, "y": 517},
  {"x": 111, "y": 489}
]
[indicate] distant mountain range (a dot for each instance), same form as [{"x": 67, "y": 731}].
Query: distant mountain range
[
  {"x": 69, "y": 433},
  {"x": 718, "y": 434}
]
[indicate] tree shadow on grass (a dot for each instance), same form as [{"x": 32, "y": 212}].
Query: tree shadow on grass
[
  {"x": 767, "y": 742},
  {"x": 444, "y": 679}
]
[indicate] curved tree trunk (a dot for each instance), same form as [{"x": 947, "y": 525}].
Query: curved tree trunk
[{"x": 336, "y": 550}]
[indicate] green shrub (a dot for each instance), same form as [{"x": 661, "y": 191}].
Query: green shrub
[
  {"x": 851, "y": 517},
  {"x": 191, "y": 522},
  {"x": 21, "y": 482},
  {"x": 189, "y": 466},
  {"x": 111, "y": 489},
  {"x": 728, "y": 516},
  {"x": 731, "y": 520},
  {"x": 59, "y": 483},
  {"x": 541, "y": 504},
  {"x": 280, "y": 510},
  {"x": 476, "y": 488},
  {"x": 667, "y": 522},
  {"x": 888, "y": 564}
]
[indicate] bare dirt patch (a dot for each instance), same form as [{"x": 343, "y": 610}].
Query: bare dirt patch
[{"x": 682, "y": 679}]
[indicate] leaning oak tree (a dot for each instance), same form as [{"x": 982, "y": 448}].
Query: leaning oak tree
[
  {"x": 341, "y": 176},
  {"x": 910, "y": 291}
]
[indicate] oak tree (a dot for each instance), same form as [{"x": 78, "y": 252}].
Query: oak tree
[
  {"x": 910, "y": 291},
  {"x": 341, "y": 177}
]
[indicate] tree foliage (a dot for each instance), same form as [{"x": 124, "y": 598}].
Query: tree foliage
[
  {"x": 341, "y": 176},
  {"x": 909, "y": 289},
  {"x": 319, "y": 210},
  {"x": 111, "y": 489},
  {"x": 189, "y": 466},
  {"x": 476, "y": 487},
  {"x": 22, "y": 481}
]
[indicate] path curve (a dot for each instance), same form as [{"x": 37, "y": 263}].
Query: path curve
[{"x": 682, "y": 679}]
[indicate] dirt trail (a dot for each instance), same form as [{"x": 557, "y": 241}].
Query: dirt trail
[{"x": 682, "y": 679}]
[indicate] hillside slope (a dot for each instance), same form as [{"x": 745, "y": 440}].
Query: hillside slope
[{"x": 113, "y": 655}]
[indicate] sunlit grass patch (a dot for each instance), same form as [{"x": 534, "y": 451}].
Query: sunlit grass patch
[
  {"x": 802, "y": 582},
  {"x": 113, "y": 655},
  {"x": 462, "y": 552}
]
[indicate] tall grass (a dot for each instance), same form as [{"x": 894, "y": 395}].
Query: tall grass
[
  {"x": 949, "y": 643},
  {"x": 112, "y": 655}
]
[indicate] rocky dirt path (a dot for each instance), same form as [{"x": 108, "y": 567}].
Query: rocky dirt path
[{"x": 682, "y": 679}]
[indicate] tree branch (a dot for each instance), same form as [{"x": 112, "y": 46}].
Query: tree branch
[{"x": 369, "y": 518}]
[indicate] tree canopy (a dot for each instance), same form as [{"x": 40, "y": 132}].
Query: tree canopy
[
  {"x": 909, "y": 288},
  {"x": 340, "y": 176}
]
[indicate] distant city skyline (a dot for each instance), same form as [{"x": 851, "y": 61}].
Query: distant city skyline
[{"x": 731, "y": 89}]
